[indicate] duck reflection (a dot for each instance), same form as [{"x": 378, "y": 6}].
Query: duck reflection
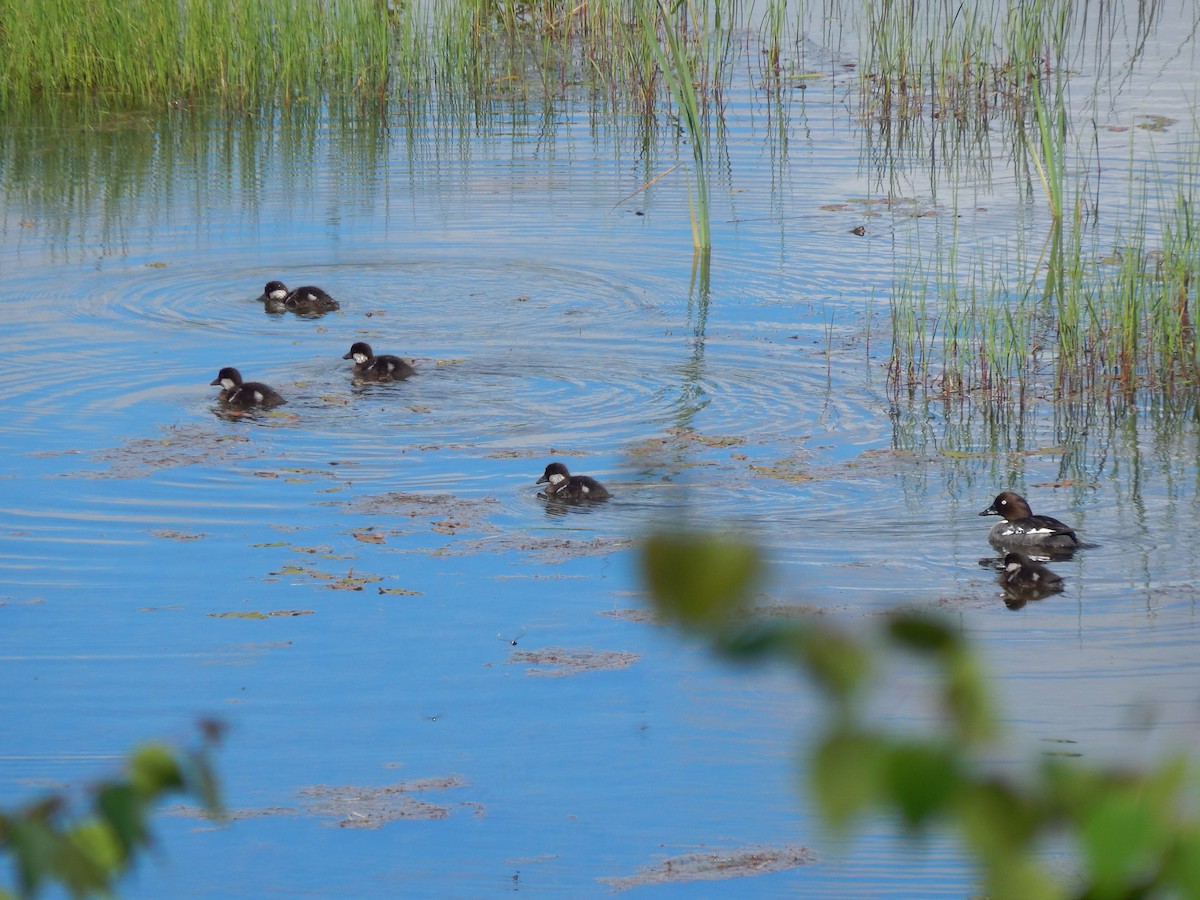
[{"x": 1023, "y": 578}]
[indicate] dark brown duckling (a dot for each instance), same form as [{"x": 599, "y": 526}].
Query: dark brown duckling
[
  {"x": 244, "y": 394},
  {"x": 304, "y": 301},
  {"x": 562, "y": 485},
  {"x": 384, "y": 367}
]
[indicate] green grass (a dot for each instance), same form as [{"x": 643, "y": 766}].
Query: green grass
[
  {"x": 942, "y": 80},
  {"x": 1079, "y": 318},
  {"x": 137, "y": 52}
]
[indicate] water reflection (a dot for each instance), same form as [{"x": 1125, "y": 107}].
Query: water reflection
[{"x": 1025, "y": 579}]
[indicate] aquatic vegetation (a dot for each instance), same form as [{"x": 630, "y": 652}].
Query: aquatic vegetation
[
  {"x": 677, "y": 66},
  {"x": 963, "y": 86},
  {"x": 143, "y": 53},
  {"x": 1079, "y": 319}
]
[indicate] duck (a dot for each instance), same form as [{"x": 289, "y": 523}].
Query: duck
[
  {"x": 377, "y": 368},
  {"x": 1021, "y": 528},
  {"x": 562, "y": 485},
  {"x": 307, "y": 300},
  {"x": 244, "y": 394}
]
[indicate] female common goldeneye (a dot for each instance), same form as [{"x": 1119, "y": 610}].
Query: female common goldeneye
[
  {"x": 306, "y": 301},
  {"x": 1021, "y": 528},
  {"x": 562, "y": 485},
  {"x": 377, "y": 368},
  {"x": 244, "y": 394}
]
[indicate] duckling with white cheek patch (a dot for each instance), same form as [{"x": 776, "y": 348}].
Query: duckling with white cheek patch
[
  {"x": 304, "y": 301},
  {"x": 370, "y": 367},
  {"x": 562, "y": 485},
  {"x": 244, "y": 394}
]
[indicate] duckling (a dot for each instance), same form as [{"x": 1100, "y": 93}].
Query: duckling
[
  {"x": 305, "y": 301},
  {"x": 244, "y": 394},
  {"x": 370, "y": 367},
  {"x": 562, "y": 485},
  {"x": 1021, "y": 528}
]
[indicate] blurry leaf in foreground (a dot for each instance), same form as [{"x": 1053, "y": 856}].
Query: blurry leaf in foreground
[
  {"x": 922, "y": 777},
  {"x": 700, "y": 580},
  {"x": 847, "y": 767},
  {"x": 923, "y": 633}
]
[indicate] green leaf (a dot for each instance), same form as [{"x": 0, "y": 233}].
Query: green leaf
[
  {"x": 100, "y": 845},
  {"x": 998, "y": 820},
  {"x": 923, "y": 633},
  {"x": 700, "y": 580},
  {"x": 153, "y": 769},
  {"x": 966, "y": 697},
  {"x": 922, "y": 779},
  {"x": 1122, "y": 839},
  {"x": 846, "y": 772},
  {"x": 121, "y": 809},
  {"x": 1182, "y": 866}
]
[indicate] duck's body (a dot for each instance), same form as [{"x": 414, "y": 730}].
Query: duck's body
[
  {"x": 305, "y": 301},
  {"x": 377, "y": 368},
  {"x": 562, "y": 485},
  {"x": 1021, "y": 528},
  {"x": 244, "y": 394}
]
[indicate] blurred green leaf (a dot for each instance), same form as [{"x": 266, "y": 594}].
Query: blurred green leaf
[
  {"x": 1023, "y": 877},
  {"x": 153, "y": 769},
  {"x": 922, "y": 633},
  {"x": 33, "y": 847},
  {"x": 840, "y": 665},
  {"x": 1116, "y": 839},
  {"x": 846, "y": 775},
  {"x": 100, "y": 847},
  {"x": 999, "y": 821},
  {"x": 923, "y": 777},
  {"x": 85, "y": 855},
  {"x": 120, "y": 807},
  {"x": 700, "y": 580},
  {"x": 966, "y": 697},
  {"x": 1124, "y": 835},
  {"x": 1182, "y": 866},
  {"x": 1127, "y": 827}
]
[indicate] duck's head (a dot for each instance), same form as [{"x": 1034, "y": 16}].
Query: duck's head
[
  {"x": 556, "y": 473},
  {"x": 228, "y": 378},
  {"x": 360, "y": 352}
]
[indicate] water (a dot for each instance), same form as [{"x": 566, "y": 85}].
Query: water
[{"x": 547, "y": 320}]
